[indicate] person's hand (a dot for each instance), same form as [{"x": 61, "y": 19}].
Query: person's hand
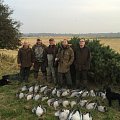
[
  {"x": 19, "y": 65},
  {"x": 32, "y": 64},
  {"x": 56, "y": 59}
]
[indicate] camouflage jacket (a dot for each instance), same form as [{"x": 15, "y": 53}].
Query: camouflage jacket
[{"x": 65, "y": 59}]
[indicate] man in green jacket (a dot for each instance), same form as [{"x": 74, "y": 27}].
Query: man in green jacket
[
  {"x": 38, "y": 50},
  {"x": 65, "y": 58},
  {"x": 82, "y": 63},
  {"x": 25, "y": 61}
]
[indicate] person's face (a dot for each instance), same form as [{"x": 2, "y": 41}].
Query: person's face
[
  {"x": 82, "y": 42},
  {"x": 64, "y": 43},
  {"x": 39, "y": 42},
  {"x": 26, "y": 44},
  {"x": 52, "y": 42}
]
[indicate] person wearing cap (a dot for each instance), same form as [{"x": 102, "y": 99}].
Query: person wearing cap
[
  {"x": 25, "y": 61},
  {"x": 82, "y": 63},
  {"x": 38, "y": 49},
  {"x": 65, "y": 58},
  {"x": 49, "y": 56}
]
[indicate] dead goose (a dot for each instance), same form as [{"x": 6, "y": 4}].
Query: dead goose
[
  {"x": 76, "y": 94},
  {"x": 47, "y": 92},
  {"x": 29, "y": 96},
  {"x": 54, "y": 91},
  {"x": 39, "y": 111},
  {"x": 92, "y": 93},
  {"x": 91, "y": 105},
  {"x": 59, "y": 92},
  {"x": 65, "y": 103},
  {"x": 65, "y": 93},
  {"x": 50, "y": 101},
  {"x": 76, "y": 115},
  {"x": 86, "y": 116},
  {"x": 85, "y": 94},
  {"x": 20, "y": 95},
  {"x": 62, "y": 114},
  {"x": 36, "y": 88},
  {"x": 73, "y": 103},
  {"x": 83, "y": 102},
  {"x": 37, "y": 97},
  {"x": 44, "y": 98},
  {"x": 57, "y": 103},
  {"x": 102, "y": 95},
  {"x": 24, "y": 88},
  {"x": 101, "y": 108},
  {"x": 42, "y": 89},
  {"x": 31, "y": 89}
]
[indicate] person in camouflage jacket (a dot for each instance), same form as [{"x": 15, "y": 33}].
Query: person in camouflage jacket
[
  {"x": 38, "y": 50},
  {"x": 65, "y": 58}
]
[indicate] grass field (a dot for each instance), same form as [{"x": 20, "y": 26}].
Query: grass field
[
  {"x": 12, "y": 108},
  {"x": 114, "y": 43}
]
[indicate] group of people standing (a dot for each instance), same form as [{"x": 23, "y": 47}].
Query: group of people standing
[{"x": 55, "y": 62}]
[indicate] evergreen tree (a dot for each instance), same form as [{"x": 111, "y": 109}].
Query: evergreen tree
[{"x": 9, "y": 28}]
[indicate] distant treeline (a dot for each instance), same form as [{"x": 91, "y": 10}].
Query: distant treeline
[{"x": 90, "y": 35}]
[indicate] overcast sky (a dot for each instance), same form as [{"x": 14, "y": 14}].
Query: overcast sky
[{"x": 67, "y": 16}]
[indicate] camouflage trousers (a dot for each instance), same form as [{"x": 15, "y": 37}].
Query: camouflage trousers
[{"x": 37, "y": 66}]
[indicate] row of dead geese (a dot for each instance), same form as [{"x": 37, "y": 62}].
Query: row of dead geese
[
  {"x": 89, "y": 105},
  {"x": 45, "y": 90},
  {"x": 64, "y": 114},
  {"x": 65, "y": 98}
]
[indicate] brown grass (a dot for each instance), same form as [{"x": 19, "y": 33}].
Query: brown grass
[
  {"x": 112, "y": 42},
  {"x": 45, "y": 39}
]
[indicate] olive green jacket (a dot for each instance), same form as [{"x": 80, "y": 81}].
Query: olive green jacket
[{"x": 66, "y": 58}]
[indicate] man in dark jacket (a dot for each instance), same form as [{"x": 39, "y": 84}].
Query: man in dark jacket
[
  {"x": 38, "y": 49},
  {"x": 25, "y": 61},
  {"x": 65, "y": 58},
  {"x": 82, "y": 63},
  {"x": 49, "y": 56}
]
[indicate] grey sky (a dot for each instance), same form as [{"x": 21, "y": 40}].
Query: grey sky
[{"x": 67, "y": 16}]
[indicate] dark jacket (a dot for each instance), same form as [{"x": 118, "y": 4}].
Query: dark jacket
[
  {"x": 65, "y": 57},
  {"x": 25, "y": 57},
  {"x": 82, "y": 58},
  {"x": 50, "y": 50},
  {"x": 38, "y": 52}
]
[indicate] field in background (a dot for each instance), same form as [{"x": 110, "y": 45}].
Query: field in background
[
  {"x": 45, "y": 39},
  {"x": 112, "y": 42}
]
